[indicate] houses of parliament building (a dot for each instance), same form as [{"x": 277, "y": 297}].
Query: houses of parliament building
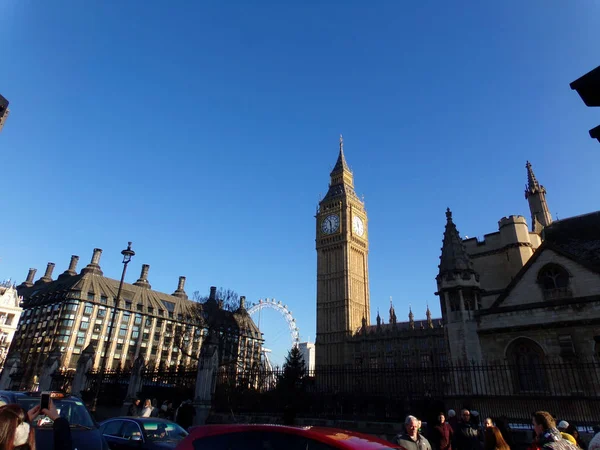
[{"x": 520, "y": 294}]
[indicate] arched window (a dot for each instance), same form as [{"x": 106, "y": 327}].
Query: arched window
[
  {"x": 526, "y": 359},
  {"x": 554, "y": 281}
]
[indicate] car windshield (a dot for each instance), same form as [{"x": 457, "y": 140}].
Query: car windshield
[
  {"x": 72, "y": 410},
  {"x": 163, "y": 431}
]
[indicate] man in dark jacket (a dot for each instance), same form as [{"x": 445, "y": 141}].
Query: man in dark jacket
[
  {"x": 134, "y": 409},
  {"x": 466, "y": 436},
  {"x": 548, "y": 436},
  {"x": 411, "y": 439}
]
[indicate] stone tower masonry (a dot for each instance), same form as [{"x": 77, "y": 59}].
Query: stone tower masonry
[
  {"x": 535, "y": 194},
  {"x": 460, "y": 296},
  {"x": 342, "y": 267}
]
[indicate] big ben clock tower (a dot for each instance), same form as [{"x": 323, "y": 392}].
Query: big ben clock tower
[{"x": 342, "y": 268}]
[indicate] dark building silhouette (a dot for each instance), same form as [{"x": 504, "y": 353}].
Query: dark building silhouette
[
  {"x": 4, "y": 111},
  {"x": 588, "y": 88}
]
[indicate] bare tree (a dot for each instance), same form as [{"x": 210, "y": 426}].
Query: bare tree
[
  {"x": 230, "y": 298},
  {"x": 183, "y": 333}
]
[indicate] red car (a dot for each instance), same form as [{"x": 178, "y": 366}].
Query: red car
[{"x": 276, "y": 437}]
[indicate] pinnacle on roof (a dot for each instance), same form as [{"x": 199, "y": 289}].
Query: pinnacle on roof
[
  {"x": 454, "y": 256},
  {"x": 429, "y": 321},
  {"x": 341, "y": 164},
  {"x": 533, "y": 186},
  {"x": 392, "y": 312}
]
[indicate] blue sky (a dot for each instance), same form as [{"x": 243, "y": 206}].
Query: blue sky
[{"x": 206, "y": 132}]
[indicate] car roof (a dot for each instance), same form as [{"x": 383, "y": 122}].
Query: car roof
[
  {"x": 338, "y": 437},
  {"x": 36, "y": 394},
  {"x": 139, "y": 419}
]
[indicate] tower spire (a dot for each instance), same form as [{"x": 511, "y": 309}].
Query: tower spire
[
  {"x": 454, "y": 254},
  {"x": 429, "y": 321},
  {"x": 535, "y": 194},
  {"x": 340, "y": 164},
  {"x": 411, "y": 318},
  {"x": 392, "y": 312}
]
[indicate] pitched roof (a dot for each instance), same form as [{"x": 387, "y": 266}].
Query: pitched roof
[
  {"x": 576, "y": 238},
  {"x": 153, "y": 303}
]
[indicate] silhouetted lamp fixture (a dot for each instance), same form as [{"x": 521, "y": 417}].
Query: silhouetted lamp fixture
[{"x": 588, "y": 88}]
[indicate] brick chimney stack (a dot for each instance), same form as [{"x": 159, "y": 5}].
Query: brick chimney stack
[
  {"x": 180, "y": 292},
  {"x": 29, "y": 281},
  {"x": 213, "y": 293},
  {"x": 47, "y": 278},
  {"x": 242, "y": 302},
  {"x": 94, "y": 265},
  {"x": 72, "y": 270},
  {"x": 143, "y": 280}
]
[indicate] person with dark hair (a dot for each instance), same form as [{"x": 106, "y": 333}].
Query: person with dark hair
[
  {"x": 466, "y": 436},
  {"x": 548, "y": 436},
  {"x": 135, "y": 409},
  {"x": 441, "y": 434},
  {"x": 573, "y": 431},
  {"x": 16, "y": 429},
  {"x": 493, "y": 440}
]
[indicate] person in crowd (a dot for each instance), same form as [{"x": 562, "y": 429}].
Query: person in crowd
[
  {"x": 411, "y": 439},
  {"x": 573, "y": 431},
  {"x": 595, "y": 442},
  {"x": 488, "y": 423},
  {"x": 170, "y": 411},
  {"x": 185, "y": 414},
  {"x": 163, "y": 409},
  {"x": 548, "y": 436},
  {"x": 441, "y": 434},
  {"x": 493, "y": 439},
  {"x": 504, "y": 428},
  {"x": 134, "y": 409},
  {"x": 562, "y": 426},
  {"x": 466, "y": 436},
  {"x": 147, "y": 409},
  {"x": 452, "y": 419},
  {"x": 155, "y": 410},
  {"x": 16, "y": 429}
]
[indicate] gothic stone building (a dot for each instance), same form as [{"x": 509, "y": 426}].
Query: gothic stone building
[
  {"x": 517, "y": 295},
  {"x": 344, "y": 334},
  {"x": 523, "y": 295},
  {"x": 75, "y": 309}
]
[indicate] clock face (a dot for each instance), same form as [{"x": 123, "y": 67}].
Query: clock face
[
  {"x": 358, "y": 226},
  {"x": 330, "y": 224}
]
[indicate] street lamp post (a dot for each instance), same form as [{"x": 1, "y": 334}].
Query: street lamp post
[{"x": 127, "y": 255}]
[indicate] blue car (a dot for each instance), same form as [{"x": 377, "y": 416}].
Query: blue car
[{"x": 84, "y": 430}]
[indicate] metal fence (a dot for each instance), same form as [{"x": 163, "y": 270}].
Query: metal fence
[{"x": 567, "y": 389}]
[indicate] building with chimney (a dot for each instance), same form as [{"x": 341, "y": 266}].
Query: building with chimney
[
  {"x": 520, "y": 294},
  {"x": 10, "y": 312},
  {"x": 74, "y": 310}
]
